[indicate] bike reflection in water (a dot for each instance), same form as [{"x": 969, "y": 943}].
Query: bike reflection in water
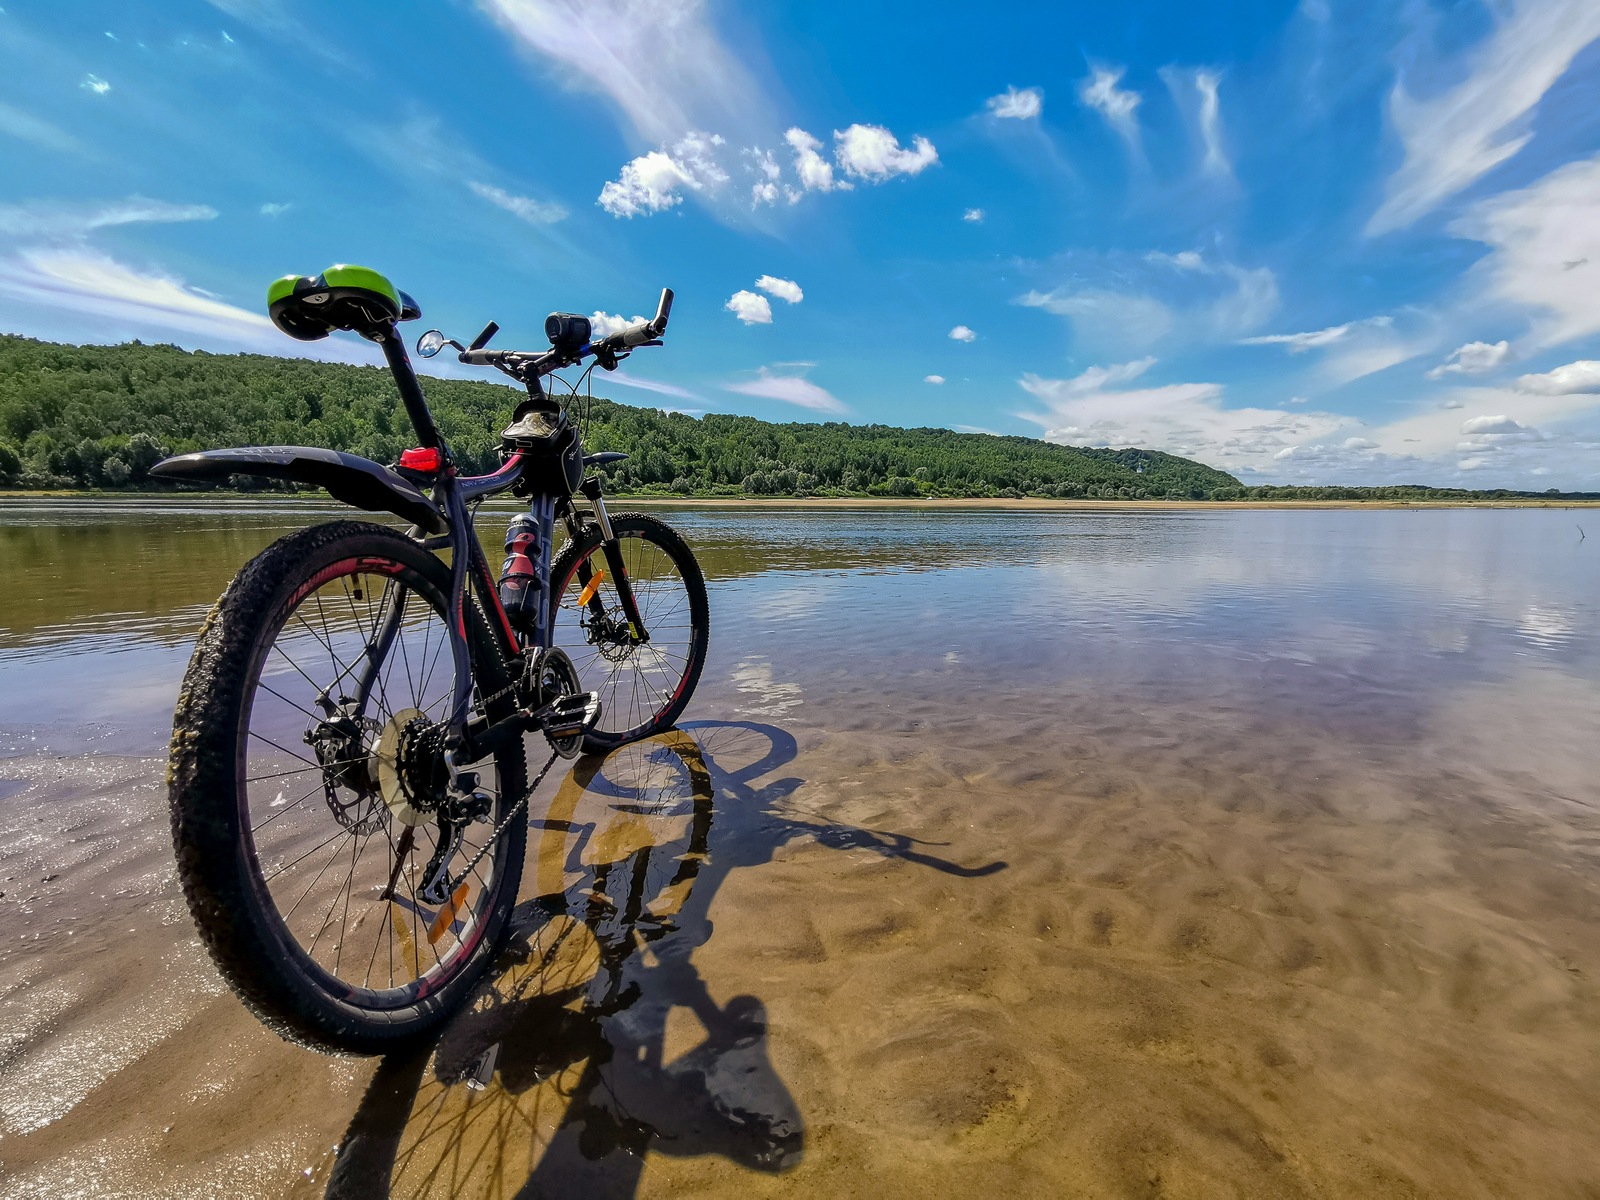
[{"x": 556, "y": 1081}]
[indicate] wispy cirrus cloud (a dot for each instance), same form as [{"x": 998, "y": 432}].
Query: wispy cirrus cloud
[
  {"x": 1197, "y": 94},
  {"x": 1299, "y": 343},
  {"x": 535, "y": 212},
  {"x": 53, "y": 219},
  {"x": 1459, "y": 134},
  {"x": 84, "y": 281},
  {"x": 653, "y": 385},
  {"x": 1544, "y": 255},
  {"x": 1359, "y": 348},
  {"x": 791, "y": 389},
  {"x": 1159, "y": 296},
  {"x": 664, "y": 65},
  {"x": 1119, "y": 106},
  {"x": 16, "y": 123}
]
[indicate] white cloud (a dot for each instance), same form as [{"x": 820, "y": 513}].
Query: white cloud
[
  {"x": 1182, "y": 418},
  {"x": 18, "y": 124},
  {"x": 603, "y": 324},
  {"x": 764, "y": 190},
  {"x": 661, "y": 63},
  {"x": 1020, "y": 104},
  {"x": 52, "y": 220},
  {"x": 535, "y": 212},
  {"x": 791, "y": 389},
  {"x": 1472, "y": 359},
  {"x": 269, "y": 209},
  {"x": 815, "y": 172},
  {"x": 749, "y": 308},
  {"x": 646, "y": 185},
  {"x": 1205, "y": 82},
  {"x": 93, "y": 83},
  {"x": 650, "y": 182},
  {"x": 1545, "y": 240},
  {"x": 962, "y": 334},
  {"x": 1118, "y": 107},
  {"x": 1457, "y": 135},
  {"x": 933, "y": 379},
  {"x": 1581, "y": 377},
  {"x": 783, "y": 289},
  {"x": 973, "y": 214},
  {"x": 1495, "y": 426},
  {"x": 1298, "y": 400},
  {"x": 872, "y": 152}
]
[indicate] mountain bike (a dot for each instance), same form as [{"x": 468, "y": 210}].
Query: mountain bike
[{"x": 348, "y": 779}]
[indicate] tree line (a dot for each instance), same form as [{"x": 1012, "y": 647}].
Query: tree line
[{"x": 101, "y": 416}]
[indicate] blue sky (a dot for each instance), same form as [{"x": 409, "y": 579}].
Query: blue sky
[{"x": 1314, "y": 242}]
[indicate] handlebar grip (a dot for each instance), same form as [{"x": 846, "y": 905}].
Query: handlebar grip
[
  {"x": 663, "y": 311},
  {"x": 482, "y": 358},
  {"x": 638, "y": 335}
]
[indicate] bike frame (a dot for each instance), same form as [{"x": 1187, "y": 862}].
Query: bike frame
[{"x": 457, "y": 495}]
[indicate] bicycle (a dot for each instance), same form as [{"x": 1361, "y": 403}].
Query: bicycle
[{"x": 355, "y": 705}]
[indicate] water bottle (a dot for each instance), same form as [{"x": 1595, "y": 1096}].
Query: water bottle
[{"x": 519, "y": 576}]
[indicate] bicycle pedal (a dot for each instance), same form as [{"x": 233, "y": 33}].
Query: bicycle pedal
[{"x": 569, "y": 716}]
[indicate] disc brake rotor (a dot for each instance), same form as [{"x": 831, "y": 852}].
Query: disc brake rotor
[{"x": 393, "y": 770}]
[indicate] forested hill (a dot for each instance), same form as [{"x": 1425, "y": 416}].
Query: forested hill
[{"x": 76, "y": 416}]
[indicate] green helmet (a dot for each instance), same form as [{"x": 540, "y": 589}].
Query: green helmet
[{"x": 342, "y": 297}]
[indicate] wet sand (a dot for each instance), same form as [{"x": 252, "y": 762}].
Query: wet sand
[{"x": 1181, "y": 905}]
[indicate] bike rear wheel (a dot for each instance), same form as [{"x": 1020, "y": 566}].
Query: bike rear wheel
[
  {"x": 306, "y": 816},
  {"x": 643, "y": 686}
]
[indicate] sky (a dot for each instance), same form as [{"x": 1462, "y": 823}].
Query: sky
[{"x": 1315, "y": 242}]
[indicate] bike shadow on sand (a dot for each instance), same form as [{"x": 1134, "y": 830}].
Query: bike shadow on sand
[{"x": 556, "y": 1080}]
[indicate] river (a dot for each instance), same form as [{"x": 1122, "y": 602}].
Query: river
[{"x": 1183, "y": 852}]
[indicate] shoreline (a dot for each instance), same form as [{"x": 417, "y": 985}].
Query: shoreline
[{"x": 1026, "y": 503}]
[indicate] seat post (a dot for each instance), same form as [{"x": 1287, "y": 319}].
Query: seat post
[{"x": 405, "y": 378}]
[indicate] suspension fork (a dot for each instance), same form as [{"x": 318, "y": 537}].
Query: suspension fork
[
  {"x": 461, "y": 535},
  {"x": 382, "y": 639},
  {"x": 619, "y": 574}
]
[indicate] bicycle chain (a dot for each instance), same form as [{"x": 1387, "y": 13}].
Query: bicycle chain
[{"x": 515, "y": 812}]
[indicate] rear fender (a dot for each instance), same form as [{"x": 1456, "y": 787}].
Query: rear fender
[{"x": 354, "y": 480}]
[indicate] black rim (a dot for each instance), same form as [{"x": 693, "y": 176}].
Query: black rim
[
  {"x": 322, "y": 857},
  {"x": 636, "y": 683}
]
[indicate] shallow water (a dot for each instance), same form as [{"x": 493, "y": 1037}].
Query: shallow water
[{"x": 1191, "y": 852}]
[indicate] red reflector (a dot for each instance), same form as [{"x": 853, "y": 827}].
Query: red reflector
[{"x": 421, "y": 460}]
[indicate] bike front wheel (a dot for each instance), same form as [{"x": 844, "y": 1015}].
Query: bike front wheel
[
  {"x": 310, "y": 798},
  {"x": 643, "y": 685}
]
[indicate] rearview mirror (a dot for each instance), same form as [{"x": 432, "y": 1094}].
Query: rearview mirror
[{"x": 431, "y": 343}]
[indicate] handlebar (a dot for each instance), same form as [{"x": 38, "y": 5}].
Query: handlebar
[
  {"x": 517, "y": 362},
  {"x": 642, "y": 335}
]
